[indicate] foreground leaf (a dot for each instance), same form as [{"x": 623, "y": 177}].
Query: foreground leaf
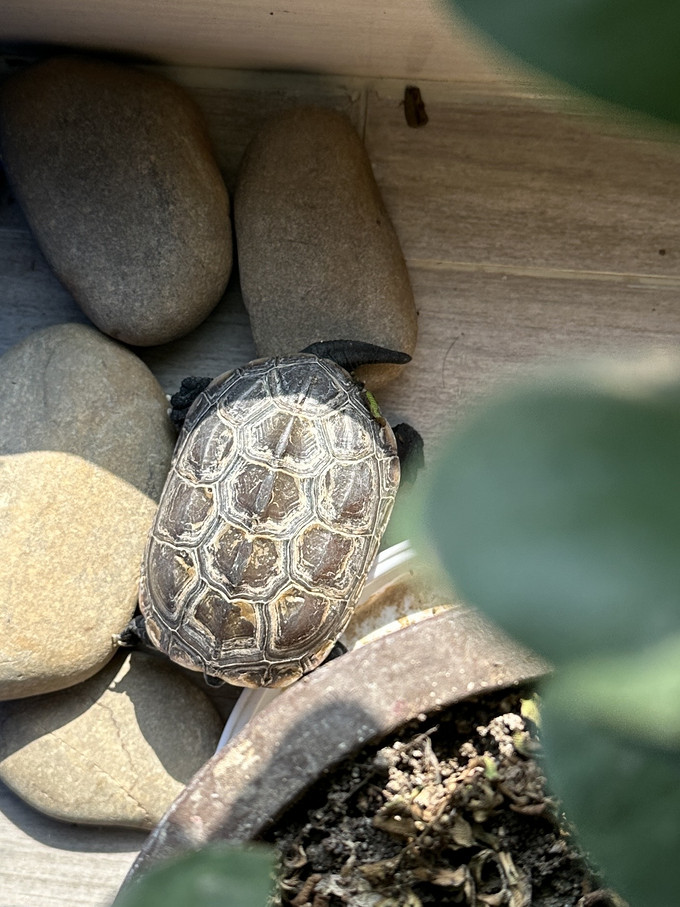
[
  {"x": 216, "y": 876},
  {"x": 624, "y": 51},
  {"x": 634, "y": 695},
  {"x": 619, "y": 787},
  {"x": 556, "y": 509}
]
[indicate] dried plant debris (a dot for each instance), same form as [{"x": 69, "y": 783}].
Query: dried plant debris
[{"x": 449, "y": 813}]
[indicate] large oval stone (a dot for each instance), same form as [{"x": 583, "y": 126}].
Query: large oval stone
[
  {"x": 114, "y": 171},
  {"x": 116, "y": 749},
  {"x": 319, "y": 258},
  {"x": 69, "y": 388},
  {"x": 72, "y": 536}
]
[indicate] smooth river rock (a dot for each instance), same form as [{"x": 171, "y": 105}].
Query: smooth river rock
[
  {"x": 115, "y": 173},
  {"x": 319, "y": 258},
  {"x": 116, "y": 749},
  {"x": 72, "y": 536},
  {"x": 70, "y": 388}
]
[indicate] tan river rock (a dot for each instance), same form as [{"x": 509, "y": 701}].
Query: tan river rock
[
  {"x": 70, "y": 388},
  {"x": 72, "y": 536},
  {"x": 319, "y": 258},
  {"x": 116, "y": 749}
]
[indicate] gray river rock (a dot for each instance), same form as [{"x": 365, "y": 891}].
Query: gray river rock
[
  {"x": 116, "y": 749},
  {"x": 115, "y": 173},
  {"x": 319, "y": 258},
  {"x": 69, "y": 388}
]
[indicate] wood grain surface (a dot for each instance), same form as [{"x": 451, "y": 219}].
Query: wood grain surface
[
  {"x": 355, "y": 37},
  {"x": 532, "y": 227}
]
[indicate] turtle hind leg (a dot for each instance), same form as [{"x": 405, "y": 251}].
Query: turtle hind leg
[
  {"x": 410, "y": 450},
  {"x": 134, "y": 636},
  {"x": 181, "y": 402}
]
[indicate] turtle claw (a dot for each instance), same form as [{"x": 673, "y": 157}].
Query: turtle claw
[{"x": 213, "y": 682}]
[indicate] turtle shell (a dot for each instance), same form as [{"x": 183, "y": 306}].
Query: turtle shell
[{"x": 281, "y": 485}]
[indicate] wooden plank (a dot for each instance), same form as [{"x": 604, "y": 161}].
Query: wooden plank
[
  {"x": 46, "y": 863},
  {"x": 479, "y": 328},
  {"x": 31, "y": 297},
  {"x": 357, "y": 37},
  {"x": 514, "y": 182},
  {"x": 237, "y": 104}
]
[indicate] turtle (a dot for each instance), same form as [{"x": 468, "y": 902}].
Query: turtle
[{"x": 281, "y": 484}]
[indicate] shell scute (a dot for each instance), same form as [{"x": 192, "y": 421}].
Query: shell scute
[
  {"x": 205, "y": 456},
  {"x": 283, "y": 441},
  {"x": 235, "y": 560},
  {"x": 189, "y": 513},
  {"x": 262, "y": 498},
  {"x": 348, "y": 497},
  {"x": 347, "y": 438},
  {"x": 323, "y": 558},
  {"x": 171, "y": 575},
  {"x": 298, "y": 619},
  {"x": 305, "y": 385},
  {"x": 228, "y": 625},
  {"x": 239, "y": 402}
]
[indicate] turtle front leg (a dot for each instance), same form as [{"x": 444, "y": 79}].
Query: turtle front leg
[
  {"x": 181, "y": 402},
  {"x": 410, "y": 450}
]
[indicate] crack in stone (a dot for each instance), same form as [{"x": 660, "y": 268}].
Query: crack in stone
[
  {"x": 119, "y": 732},
  {"x": 88, "y": 759}
]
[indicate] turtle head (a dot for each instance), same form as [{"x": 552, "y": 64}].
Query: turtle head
[{"x": 350, "y": 354}]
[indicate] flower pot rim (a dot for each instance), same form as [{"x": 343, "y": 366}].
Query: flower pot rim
[{"x": 330, "y": 715}]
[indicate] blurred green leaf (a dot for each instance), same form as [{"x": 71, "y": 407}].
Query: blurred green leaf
[
  {"x": 556, "y": 509},
  {"x": 620, "y": 790},
  {"x": 216, "y": 876},
  {"x": 634, "y": 695},
  {"x": 624, "y": 51}
]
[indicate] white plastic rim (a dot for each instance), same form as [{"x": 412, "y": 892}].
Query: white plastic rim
[
  {"x": 249, "y": 703},
  {"x": 387, "y": 567}
]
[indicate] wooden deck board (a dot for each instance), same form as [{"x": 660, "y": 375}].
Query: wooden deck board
[
  {"x": 46, "y": 863},
  {"x": 516, "y": 183}
]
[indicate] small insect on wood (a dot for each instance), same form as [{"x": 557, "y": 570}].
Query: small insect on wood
[{"x": 414, "y": 107}]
